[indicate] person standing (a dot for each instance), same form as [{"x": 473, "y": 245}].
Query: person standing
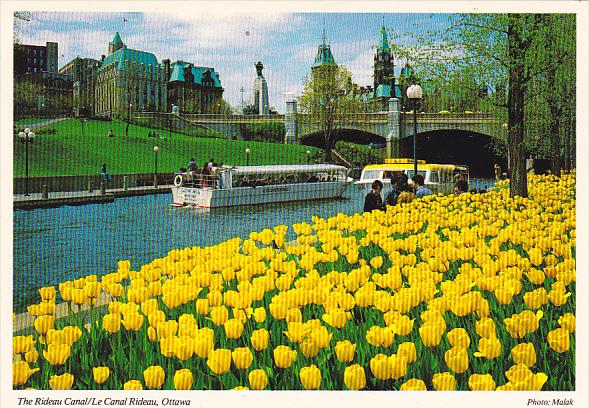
[
  {"x": 104, "y": 174},
  {"x": 421, "y": 190},
  {"x": 373, "y": 200},
  {"x": 497, "y": 169}
]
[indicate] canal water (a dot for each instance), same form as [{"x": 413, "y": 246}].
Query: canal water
[{"x": 59, "y": 244}]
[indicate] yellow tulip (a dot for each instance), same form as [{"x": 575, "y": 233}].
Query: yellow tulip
[
  {"x": 376, "y": 262},
  {"x": 61, "y": 382},
  {"x": 132, "y": 321},
  {"x": 259, "y": 339},
  {"x": 219, "y": 361},
  {"x": 458, "y": 337},
  {"x": 148, "y": 306},
  {"x": 22, "y": 344},
  {"x": 398, "y": 364},
  {"x": 457, "y": 359},
  {"x": 284, "y": 356},
  {"x": 381, "y": 367},
  {"x": 183, "y": 379},
  {"x": 258, "y": 379},
  {"x": 558, "y": 297},
  {"x": 408, "y": 349},
  {"x": 219, "y": 315},
  {"x": 485, "y": 327},
  {"x": 233, "y": 328},
  {"x": 413, "y": 385},
  {"x": 203, "y": 346},
  {"x": 31, "y": 356},
  {"x": 44, "y": 323},
  {"x": 519, "y": 374},
  {"x": 525, "y": 354},
  {"x": 21, "y": 372},
  {"x": 321, "y": 337},
  {"x": 310, "y": 377},
  {"x": 100, "y": 374},
  {"x": 202, "y": 306},
  {"x": 344, "y": 351},
  {"x": 154, "y": 377},
  {"x": 336, "y": 318},
  {"x": 355, "y": 377},
  {"x": 184, "y": 347},
  {"x": 568, "y": 322},
  {"x": 166, "y": 329},
  {"x": 133, "y": 385},
  {"x": 444, "y": 382},
  {"x": 536, "y": 298},
  {"x": 155, "y": 317},
  {"x": 481, "y": 382},
  {"x": 309, "y": 348},
  {"x": 242, "y": 357},
  {"x": 57, "y": 354},
  {"x": 430, "y": 334},
  {"x": 260, "y": 314},
  {"x": 489, "y": 348},
  {"x": 47, "y": 293},
  {"x": 111, "y": 323},
  {"x": 559, "y": 340}
]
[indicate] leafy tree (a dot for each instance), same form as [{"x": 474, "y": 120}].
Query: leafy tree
[
  {"x": 494, "y": 49},
  {"x": 328, "y": 101}
]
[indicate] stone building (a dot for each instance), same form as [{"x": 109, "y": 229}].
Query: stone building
[
  {"x": 129, "y": 80},
  {"x": 385, "y": 86},
  {"x": 83, "y": 72},
  {"x": 193, "y": 89}
]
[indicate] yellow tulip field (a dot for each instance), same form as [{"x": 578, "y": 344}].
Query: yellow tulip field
[{"x": 468, "y": 292}]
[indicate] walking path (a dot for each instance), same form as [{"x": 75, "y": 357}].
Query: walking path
[
  {"x": 57, "y": 199},
  {"x": 41, "y": 124}
]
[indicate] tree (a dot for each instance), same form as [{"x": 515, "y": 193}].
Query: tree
[
  {"x": 326, "y": 100},
  {"x": 493, "y": 49}
]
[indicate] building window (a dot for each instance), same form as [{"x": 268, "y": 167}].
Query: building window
[
  {"x": 41, "y": 53},
  {"x": 35, "y": 52}
]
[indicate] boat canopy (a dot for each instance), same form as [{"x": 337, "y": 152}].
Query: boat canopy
[
  {"x": 420, "y": 166},
  {"x": 287, "y": 169}
]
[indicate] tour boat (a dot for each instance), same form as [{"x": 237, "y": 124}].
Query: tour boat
[
  {"x": 440, "y": 178},
  {"x": 251, "y": 185}
]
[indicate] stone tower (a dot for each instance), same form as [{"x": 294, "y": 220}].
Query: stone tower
[
  {"x": 260, "y": 91},
  {"x": 384, "y": 68}
]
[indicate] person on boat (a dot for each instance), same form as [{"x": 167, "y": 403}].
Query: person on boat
[
  {"x": 461, "y": 187},
  {"x": 191, "y": 170},
  {"x": 420, "y": 189},
  {"x": 204, "y": 174},
  {"x": 373, "y": 200}
]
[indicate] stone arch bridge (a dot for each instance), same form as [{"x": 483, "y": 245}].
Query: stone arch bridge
[{"x": 392, "y": 125}]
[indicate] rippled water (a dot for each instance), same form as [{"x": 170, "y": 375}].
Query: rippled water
[{"x": 59, "y": 244}]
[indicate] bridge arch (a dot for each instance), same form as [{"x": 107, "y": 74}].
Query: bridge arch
[
  {"x": 456, "y": 146},
  {"x": 347, "y": 135}
]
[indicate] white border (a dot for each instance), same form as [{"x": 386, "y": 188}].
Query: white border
[{"x": 8, "y": 397}]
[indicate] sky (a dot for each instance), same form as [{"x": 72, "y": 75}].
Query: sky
[{"x": 232, "y": 42}]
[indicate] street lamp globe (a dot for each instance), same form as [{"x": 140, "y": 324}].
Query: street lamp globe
[
  {"x": 27, "y": 130},
  {"x": 247, "y": 150},
  {"x": 22, "y": 135},
  {"x": 308, "y": 152},
  {"x": 156, "y": 148},
  {"x": 414, "y": 92}
]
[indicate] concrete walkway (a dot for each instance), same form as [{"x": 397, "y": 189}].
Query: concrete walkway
[{"x": 58, "y": 199}]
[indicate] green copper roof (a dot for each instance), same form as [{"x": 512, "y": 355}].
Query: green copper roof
[
  {"x": 384, "y": 41},
  {"x": 177, "y": 73},
  {"x": 140, "y": 57},
  {"x": 383, "y": 91},
  {"x": 324, "y": 55},
  {"x": 117, "y": 39},
  {"x": 406, "y": 71}
]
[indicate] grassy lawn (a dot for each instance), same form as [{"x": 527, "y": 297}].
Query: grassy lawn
[{"x": 68, "y": 152}]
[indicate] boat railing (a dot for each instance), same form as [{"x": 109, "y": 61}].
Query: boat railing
[{"x": 199, "y": 180}]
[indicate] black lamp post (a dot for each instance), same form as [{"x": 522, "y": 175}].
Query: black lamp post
[
  {"x": 82, "y": 120},
  {"x": 128, "y": 119},
  {"x": 26, "y": 137},
  {"x": 308, "y": 156},
  {"x": 414, "y": 93},
  {"x": 155, "y": 149},
  {"x": 170, "y": 128},
  {"x": 247, "y": 156}
]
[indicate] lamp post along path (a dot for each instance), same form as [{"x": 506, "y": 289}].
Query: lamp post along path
[
  {"x": 247, "y": 156},
  {"x": 155, "y": 149},
  {"x": 26, "y": 137},
  {"x": 414, "y": 93}
]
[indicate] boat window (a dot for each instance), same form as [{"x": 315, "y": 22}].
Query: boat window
[
  {"x": 433, "y": 177},
  {"x": 410, "y": 173},
  {"x": 371, "y": 174}
]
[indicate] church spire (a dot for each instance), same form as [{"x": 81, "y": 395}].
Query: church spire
[{"x": 324, "y": 55}]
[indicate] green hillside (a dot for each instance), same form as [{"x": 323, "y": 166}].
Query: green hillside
[{"x": 69, "y": 152}]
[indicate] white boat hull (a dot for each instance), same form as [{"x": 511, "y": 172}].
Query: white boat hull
[{"x": 277, "y": 193}]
